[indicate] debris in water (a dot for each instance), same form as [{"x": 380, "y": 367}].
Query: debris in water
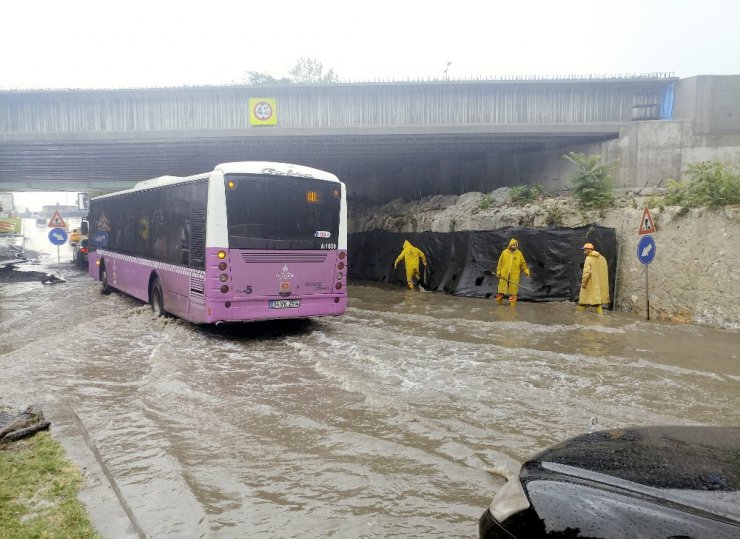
[{"x": 52, "y": 279}]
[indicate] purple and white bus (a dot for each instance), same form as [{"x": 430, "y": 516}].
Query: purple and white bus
[{"x": 247, "y": 241}]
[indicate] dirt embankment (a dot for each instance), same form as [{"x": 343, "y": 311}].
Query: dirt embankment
[{"x": 695, "y": 276}]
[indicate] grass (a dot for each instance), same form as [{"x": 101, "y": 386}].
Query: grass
[{"x": 38, "y": 492}]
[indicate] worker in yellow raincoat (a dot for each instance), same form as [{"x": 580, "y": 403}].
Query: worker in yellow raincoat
[
  {"x": 595, "y": 280},
  {"x": 510, "y": 266},
  {"x": 411, "y": 256}
]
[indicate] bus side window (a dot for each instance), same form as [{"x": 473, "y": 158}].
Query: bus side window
[
  {"x": 159, "y": 247},
  {"x": 185, "y": 243}
]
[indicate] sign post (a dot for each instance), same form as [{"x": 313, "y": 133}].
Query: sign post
[
  {"x": 58, "y": 236},
  {"x": 646, "y": 248},
  {"x": 645, "y": 254}
]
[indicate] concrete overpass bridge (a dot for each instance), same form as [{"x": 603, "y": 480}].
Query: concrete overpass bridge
[{"x": 384, "y": 139}]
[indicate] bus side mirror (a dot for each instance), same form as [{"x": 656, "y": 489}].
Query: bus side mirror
[{"x": 84, "y": 228}]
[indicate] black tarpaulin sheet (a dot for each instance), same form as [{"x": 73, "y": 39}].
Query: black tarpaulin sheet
[{"x": 457, "y": 261}]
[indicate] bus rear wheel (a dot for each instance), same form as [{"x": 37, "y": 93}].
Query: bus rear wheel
[
  {"x": 156, "y": 298},
  {"x": 105, "y": 288}
]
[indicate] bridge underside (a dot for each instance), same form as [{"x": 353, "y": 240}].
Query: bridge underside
[{"x": 116, "y": 162}]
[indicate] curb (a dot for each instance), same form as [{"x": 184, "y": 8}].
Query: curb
[{"x": 108, "y": 510}]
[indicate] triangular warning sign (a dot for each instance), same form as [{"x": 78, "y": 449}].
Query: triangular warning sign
[
  {"x": 56, "y": 221},
  {"x": 647, "y": 226}
]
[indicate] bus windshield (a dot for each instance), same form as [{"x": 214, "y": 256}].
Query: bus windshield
[{"x": 266, "y": 212}]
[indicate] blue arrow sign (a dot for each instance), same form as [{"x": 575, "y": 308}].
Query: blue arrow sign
[
  {"x": 646, "y": 249},
  {"x": 58, "y": 236}
]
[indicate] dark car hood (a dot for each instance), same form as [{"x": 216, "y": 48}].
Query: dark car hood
[{"x": 692, "y": 466}]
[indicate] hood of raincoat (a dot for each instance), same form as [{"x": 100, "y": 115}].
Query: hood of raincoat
[
  {"x": 595, "y": 254},
  {"x": 406, "y": 244},
  {"x": 513, "y": 241}
]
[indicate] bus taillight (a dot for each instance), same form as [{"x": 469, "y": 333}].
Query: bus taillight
[
  {"x": 338, "y": 286},
  {"x": 222, "y": 266},
  {"x": 224, "y": 289},
  {"x": 340, "y": 265},
  {"x": 223, "y": 277},
  {"x": 342, "y": 255},
  {"x": 221, "y": 254}
]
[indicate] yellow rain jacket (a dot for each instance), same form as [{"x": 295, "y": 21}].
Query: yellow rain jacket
[
  {"x": 411, "y": 256},
  {"x": 595, "y": 280},
  {"x": 510, "y": 266}
]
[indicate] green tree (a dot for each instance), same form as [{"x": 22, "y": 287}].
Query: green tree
[
  {"x": 305, "y": 71},
  {"x": 257, "y": 77},
  {"x": 592, "y": 181},
  {"x": 310, "y": 71}
]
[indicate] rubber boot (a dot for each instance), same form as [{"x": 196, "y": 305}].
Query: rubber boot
[
  {"x": 500, "y": 299},
  {"x": 581, "y": 308},
  {"x": 599, "y": 310}
]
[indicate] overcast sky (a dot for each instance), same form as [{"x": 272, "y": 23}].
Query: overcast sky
[{"x": 151, "y": 43}]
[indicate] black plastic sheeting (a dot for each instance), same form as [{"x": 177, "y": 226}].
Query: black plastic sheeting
[{"x": 457, "y": 260}]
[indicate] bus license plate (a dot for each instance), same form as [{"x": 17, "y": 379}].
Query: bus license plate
[{"x": 284, "y": 303}]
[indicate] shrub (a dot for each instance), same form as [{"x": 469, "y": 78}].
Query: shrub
[
  {"x": 524, "y": 194},
  {"x": 554, "y": 216},
  {"x": 592, "y": 180},
  {"x": 675, "y": 193},
  {"x": 712, "y": 185},
  {"x": 485, "y": 202}
]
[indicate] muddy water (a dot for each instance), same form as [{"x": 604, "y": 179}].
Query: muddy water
[{"x": 378, "y": 424}]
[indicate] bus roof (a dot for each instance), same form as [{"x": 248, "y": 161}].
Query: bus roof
[
  {"x": 239, "y": 167},
  {"x": 277, "y": 169}
]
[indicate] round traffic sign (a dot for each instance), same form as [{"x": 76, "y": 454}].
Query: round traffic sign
[
  {"x": 263, "y": 111},
  {"x": 646, "y": 249},
  {"x": 58, "y": 236}
]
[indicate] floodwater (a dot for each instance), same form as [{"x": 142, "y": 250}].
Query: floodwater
[{"x": 383, "y": 423}]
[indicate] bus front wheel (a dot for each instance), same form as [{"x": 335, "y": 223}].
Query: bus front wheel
[
  {"x": 156, "y": 299},
  {"x": 104, "y": 286}
]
